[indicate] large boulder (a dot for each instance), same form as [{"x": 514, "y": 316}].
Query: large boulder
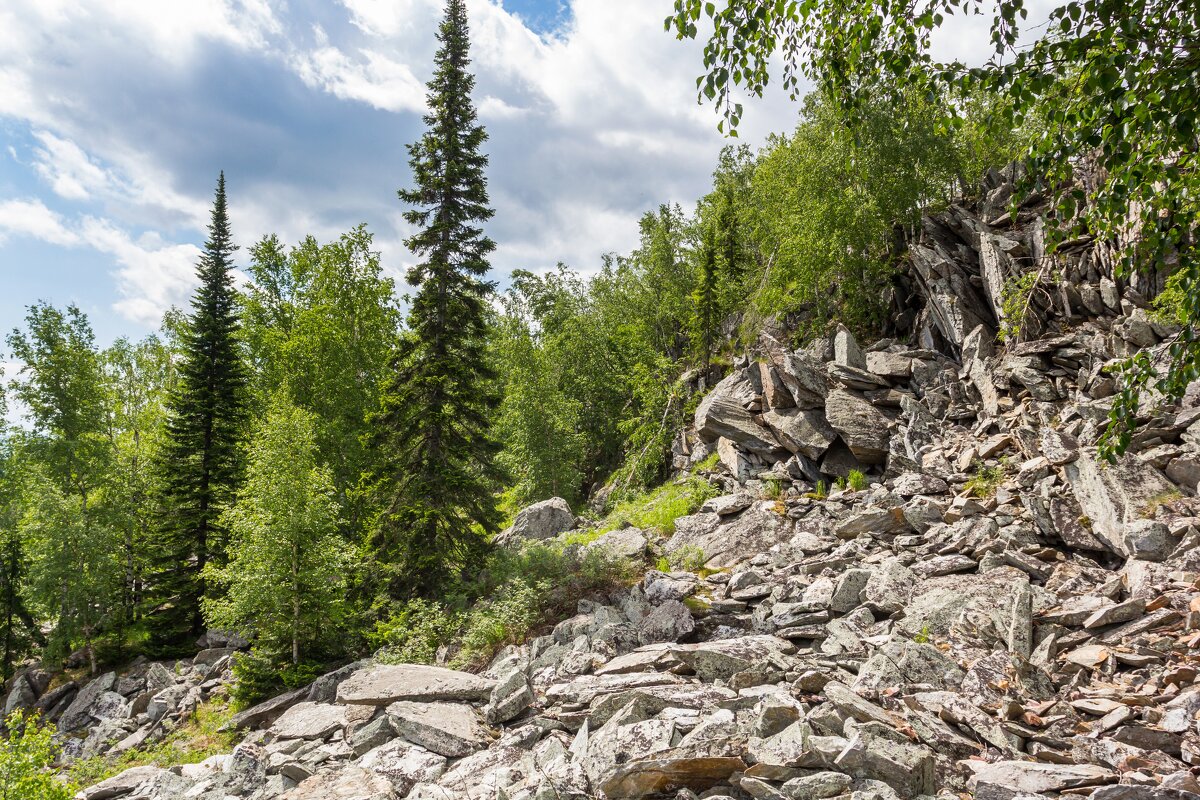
[
  {"x": 539, "y": 522},
  {"x": 803, "y": 431},
  {"x": 348, "y": 783},
  {"x": 310, "y": 721},
  {"x": 384, "y": 684},
  {"x": 448, "y": 729},
  {"x": 726, "y": 541},
  {"x": 722, "y": 415},
  {"x": 79, "y": 713},
  {"x": 864, "y": 429},
  {"x": 1112, "y": 495}
]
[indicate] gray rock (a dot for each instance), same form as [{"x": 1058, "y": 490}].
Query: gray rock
[
  {"x": 539, "y": 522},
  {"x": 1148, "y": 540},
  {"x": 1030, "y": 777},
  {"x": 383, "y": 684},
  {"x": 345, "y": 783},
  {"x": 448, "y": 729},
  {"x": 721, "y": 415},
  {"x": 511, "y": 696},
  {"x": 803, "y": 431},
  {"x": 669, "y": 622},
  {"x": 846, "y": 351},
  {"x": 725, "y": 543},
  {"x": 899, "y": 663},
  {"x": 120, "y": 785},
  {"x": 861, "y": 426},
  {"x": 404, "y": 765},
  {"x": 623, "y": 543},
  {"x": 1114, "y": 495},
  {"x": 79, "y": 713},
  {"x": 310, "y": 721}
]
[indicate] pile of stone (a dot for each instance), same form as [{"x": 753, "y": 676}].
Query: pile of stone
[
  {"x": 998, "y": 613},
  {"x": 115, "y": 712}
]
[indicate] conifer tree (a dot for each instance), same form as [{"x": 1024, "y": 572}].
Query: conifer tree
[
  {"x": 706, "y": 315},
  {"x": 438, "y": 469},
  {"x": 206, "y": 418}
]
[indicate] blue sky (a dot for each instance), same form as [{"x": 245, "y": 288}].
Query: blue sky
[{"x": 116, "y": 115}]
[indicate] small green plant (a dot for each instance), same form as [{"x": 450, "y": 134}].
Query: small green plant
[
  {"x": 688, "y": 558},
  {"x": 25, "y": 758},
  {"x": 709, "y": 463},
  {"x": 840, "y": 484},
  {"x": 923, "y": 636},
  {"x": 820, "y": 492},
  {"x": 1015, "y": 300},
  {"x": 663, "y": 564},
  {"x": 1150, "y": 508},
  {"x": 657, "y": 510},
  {"x": 985, "y": 481},
  {"x": 1171, "y": 306},
  {"x": 857, "y": 480},
  {"x": 772, "y": 488}
]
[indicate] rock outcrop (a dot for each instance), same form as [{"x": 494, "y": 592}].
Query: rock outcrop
[{"x": 998, "y": 614}]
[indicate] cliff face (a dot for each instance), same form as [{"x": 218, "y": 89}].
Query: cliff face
[{"x": 995, "y": 613}]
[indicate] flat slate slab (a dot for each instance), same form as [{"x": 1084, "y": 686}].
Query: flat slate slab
[
  {"x": 309, "y": 721},
  {"x": 384, "y": 684},
  {"x": 448, "y": 729}
]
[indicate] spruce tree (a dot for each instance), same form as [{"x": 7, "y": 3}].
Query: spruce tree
[
  {"x": 206, "y": 418},
  {"x": 438, "y": 469}
]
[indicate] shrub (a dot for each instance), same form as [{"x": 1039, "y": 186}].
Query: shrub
[
  {"x": 413, "y": 632},
  {"x": 688, "y": 558},
  {"x": 772, "y": 488},
  {"x": 192, "y": 741},
  {"x": 985, "y": 481},
  {"x": 25, "y": 759},
  {"x": 857, "y": 481}
]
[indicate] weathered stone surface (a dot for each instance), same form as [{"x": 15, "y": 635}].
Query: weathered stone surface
[
  {"x": 1029, "y": 777},
  {"x": 309, "y": 721},
  {"x": 267, "y": 711},
  {"x": 383, "y": 684},
  {"x": 653, "y": 776},
  {"x": 669, "y": 622},
  {"x": 404, "y": 765},
  {"x": 79, "y": 713},
  {"x": 725, "y": 542},
  {"x": 720, "y": 415},
  {"x": 347, "y": 783},
  {"x": 119, "y": 785},
  {"x": 861, "y": 426},
  {"x": 539, "y": 522},
  {"x": 803, "y": 431},
  {"x": 625, "y": 543},
  {"x": 448, "y": 729},
  {"x": 1114, "y": 495}
]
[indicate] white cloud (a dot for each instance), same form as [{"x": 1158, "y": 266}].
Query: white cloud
[
  {"x": 374, "y": 79},
  {"x": 33, "y": 219},
  {"x": 68, "y": 170},
  {"x": 152, "y": 276}
]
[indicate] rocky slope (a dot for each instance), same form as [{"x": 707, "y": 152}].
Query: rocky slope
[{"x": 999, "y": 614}]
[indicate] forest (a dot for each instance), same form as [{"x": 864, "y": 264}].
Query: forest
[{"x": 316, "y": 459}]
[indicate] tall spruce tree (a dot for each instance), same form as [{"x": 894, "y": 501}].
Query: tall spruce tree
[
  {"x": 205, "y": 424},
  {"x": 438, "y": 470}
]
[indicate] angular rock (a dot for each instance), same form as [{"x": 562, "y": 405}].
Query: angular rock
[
  {"x": 1114, "y": 495},
  {"x": 539, "y": 522},
  {"x": 309, "y": 721},
  {"x": 448, "y": 729},
  {"x": 803, "y": 431},
  {"x": 383, "y": 684},
  {"x": 861, "y": 426},
  {"x": 721, "y": 415},
  {"x": 347, "y": 783}
]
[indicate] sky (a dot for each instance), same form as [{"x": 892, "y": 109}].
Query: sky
[{"x": 117, "y": 115}]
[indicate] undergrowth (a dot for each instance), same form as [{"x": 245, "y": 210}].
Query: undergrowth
[
  {"x": 656, "y": 510},
  {"x": 192, "y": 741}
]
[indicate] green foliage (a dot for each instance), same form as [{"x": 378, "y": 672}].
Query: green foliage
[
  {"x": 708, "y": 463},
  {"x": 1015, "y": 303},
  {"x": 285, "y": 576},
  {"x": 202, "y": 460},
  {"x": 255, "y": 678},
  {"x": 322, "y": 321},
  {"x": 772, "y": 488},
  {"x": 923, "y": 636},
  {"x": 688, "y": 558},
  {"x": 438, "y": 472},
  {"x": 827, "y": 202},
  {"x": 856, "y": 480},
  {"x": 985, "y": 481},
  {"x": 819, "y": 492},
  {"x": 657, "y": 510},
  {"x": 518, "y": 591},
  {"x": 26, "y": 755},
  {"x": 1103, "y": 85}
]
